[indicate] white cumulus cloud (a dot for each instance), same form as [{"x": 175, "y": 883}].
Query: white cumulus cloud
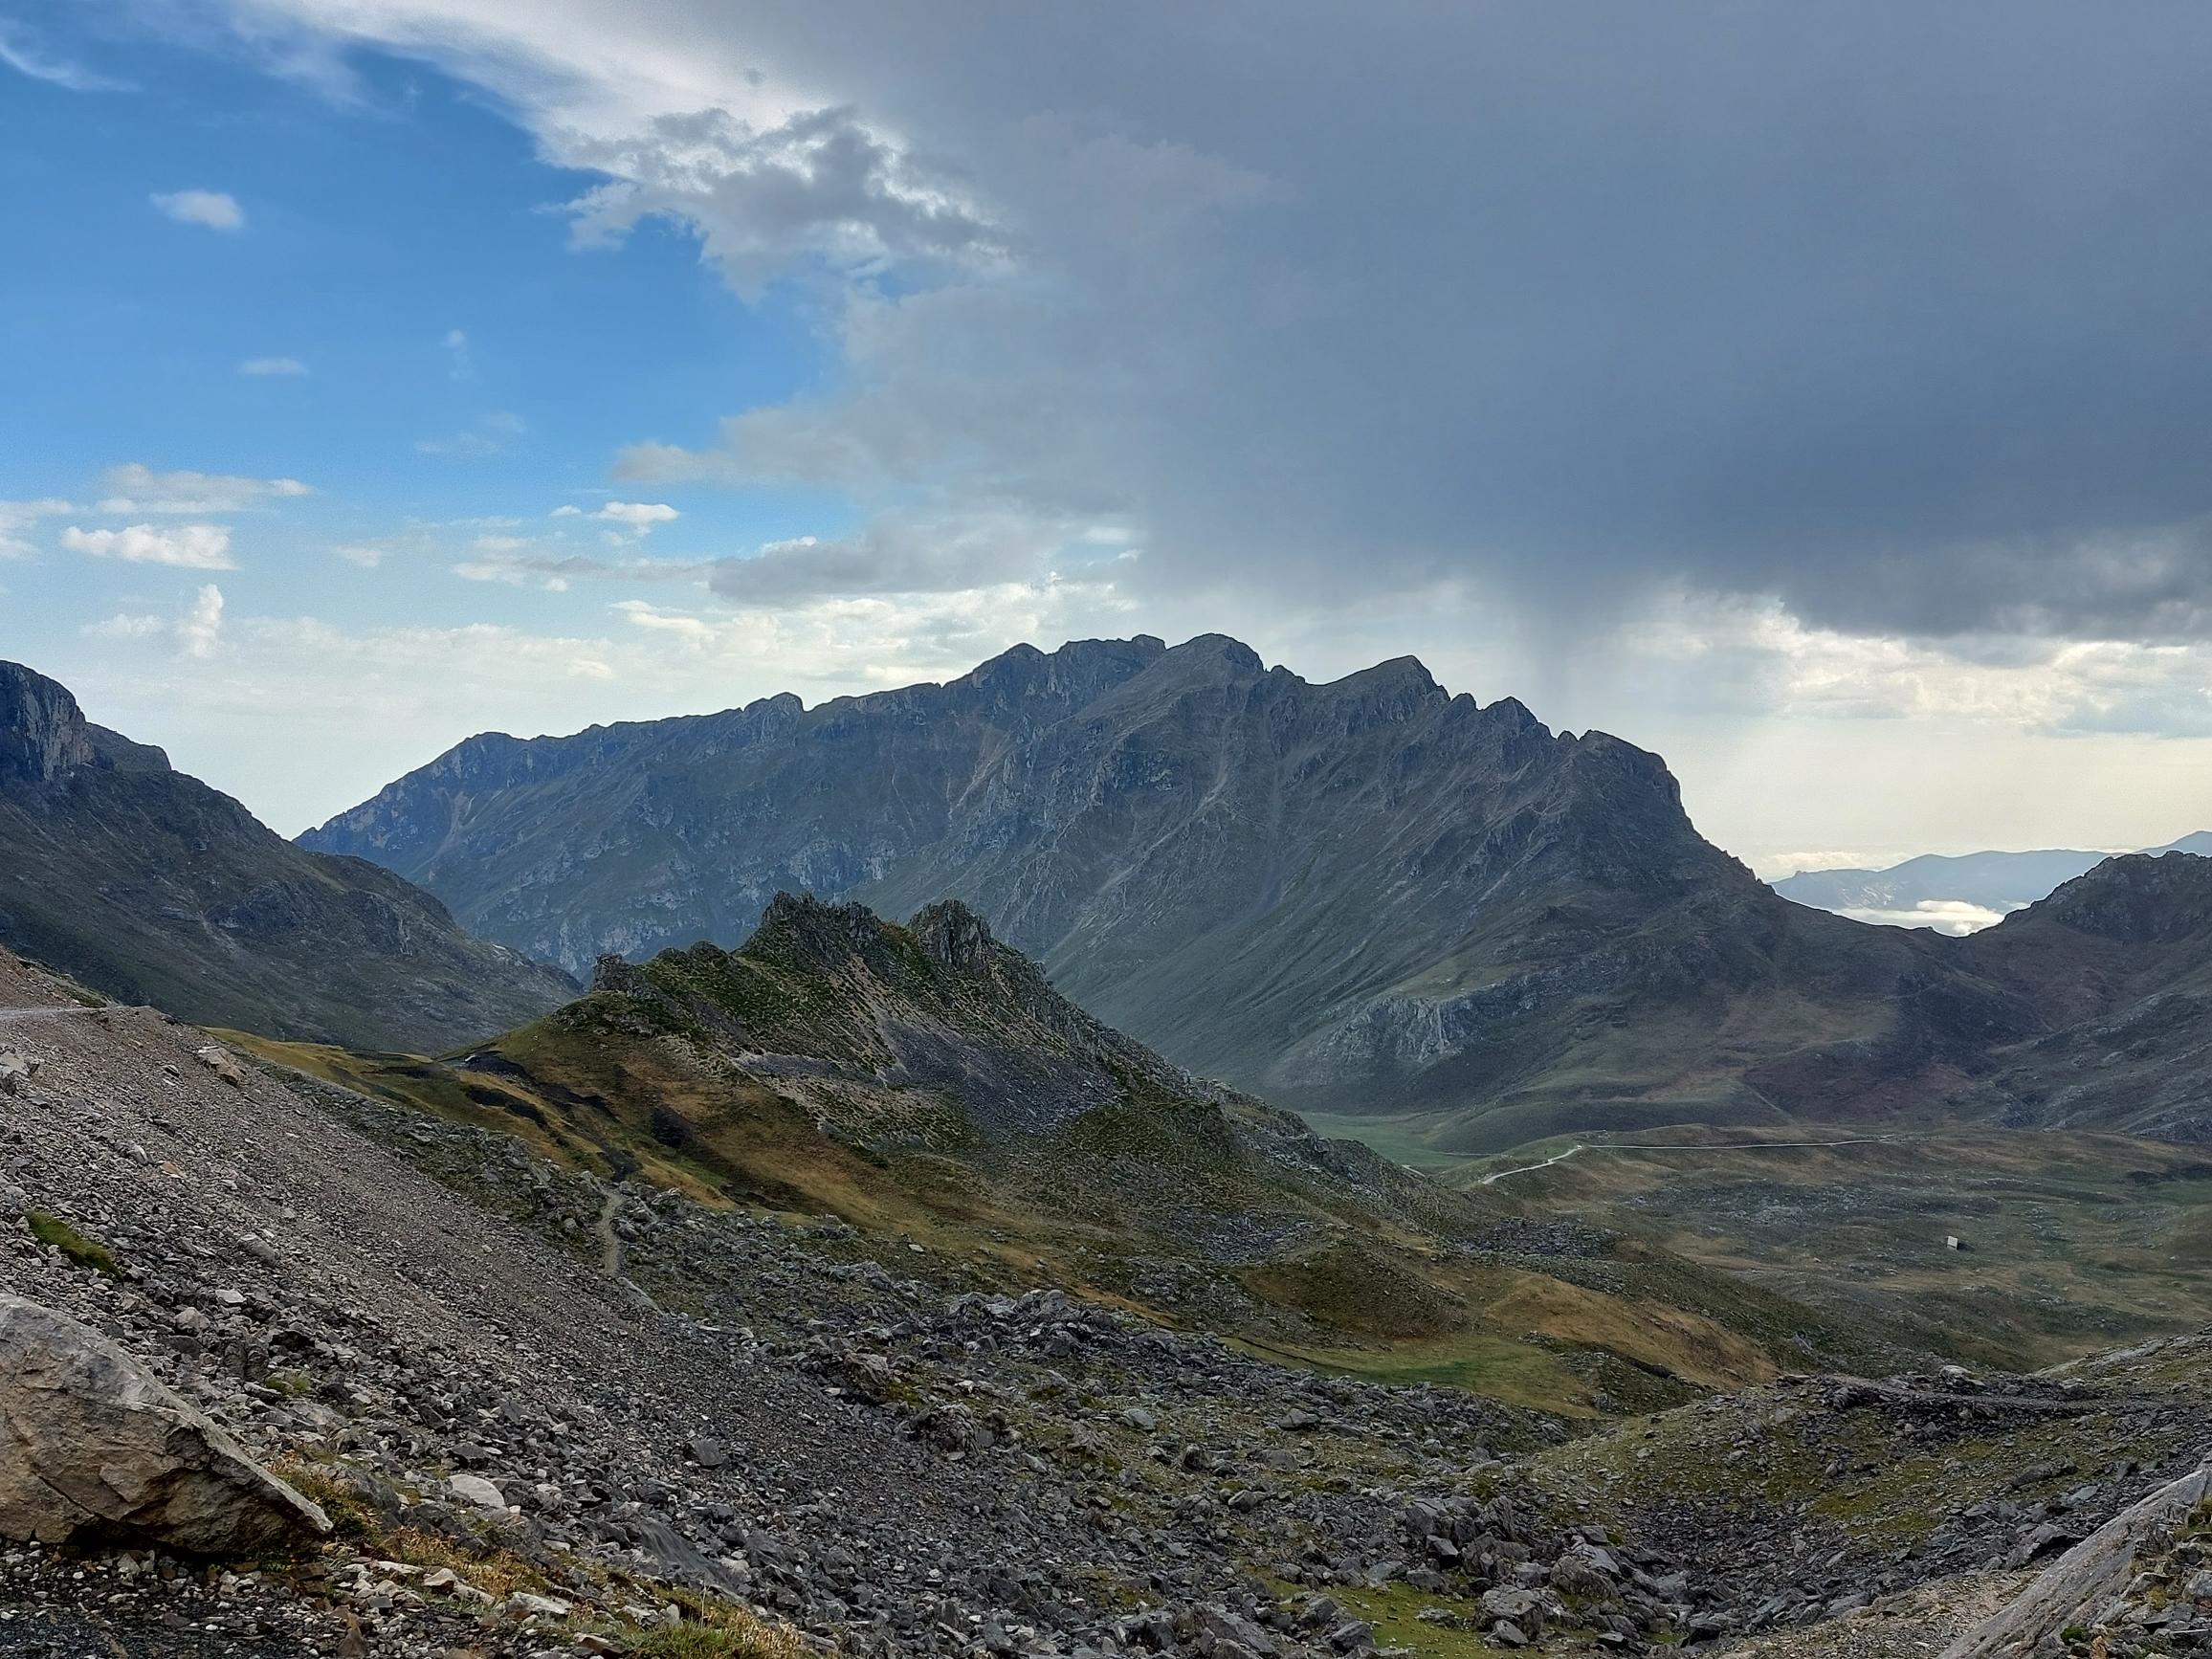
[
  {"x": 636, "y": 517},
  {"x": 187, "y": 546},
  {"x": 216, "y": 210},
  {"x": 198, "y": 630}
]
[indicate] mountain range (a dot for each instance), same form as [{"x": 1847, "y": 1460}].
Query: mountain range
[
  {"x": 147, "y": 886},
  {"x": 1957, "y": 894},
  {"x": 1368, "y": 896},
  {"x": 1365, "y": 895}
]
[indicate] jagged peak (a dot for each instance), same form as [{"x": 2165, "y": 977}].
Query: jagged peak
[
  {"x": 953, "y": 936},
  {"x": 1025, "y": 659},
  {"x": 1397, "y": 675},
  {"x": 1233, "y": 653},
  {"x": 949, "y": 935},
  {"x": 829, "y": 932},
  {"x": 1514, "y": 713}
]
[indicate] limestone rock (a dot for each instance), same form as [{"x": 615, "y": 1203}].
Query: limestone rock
[
  {"x": 97, "y": 1449},
  {"x": 15, "y": 1072},
  {"x": 477, "y": 1489}
]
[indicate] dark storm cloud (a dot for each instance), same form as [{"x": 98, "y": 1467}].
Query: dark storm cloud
[
  {"x": 1898, "y": 311},
  {"x": 1902, "y": 313}
]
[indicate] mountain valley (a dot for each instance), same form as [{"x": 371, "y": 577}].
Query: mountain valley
[
  {"x": 855, "y": 1285},
  {"x": 151, "y": 887}
]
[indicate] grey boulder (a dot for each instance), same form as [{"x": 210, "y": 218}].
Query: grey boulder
[{"x": 91, "y": 1449}]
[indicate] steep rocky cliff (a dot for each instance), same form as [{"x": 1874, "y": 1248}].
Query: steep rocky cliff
[{"x": 150, "y": 886}]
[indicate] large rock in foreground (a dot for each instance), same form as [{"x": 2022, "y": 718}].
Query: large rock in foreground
[{"x": 93, "y": 1450}]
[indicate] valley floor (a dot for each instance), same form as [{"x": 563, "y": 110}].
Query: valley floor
[{"x": 2065, "y": 1243}]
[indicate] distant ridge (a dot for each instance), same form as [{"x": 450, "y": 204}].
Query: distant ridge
[
  {"x": 150, "y": 886},
  {"x": 1940, "y": 891}
]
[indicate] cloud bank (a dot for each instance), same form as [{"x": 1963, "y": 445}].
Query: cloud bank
[{"x": 1893, "y": 316}]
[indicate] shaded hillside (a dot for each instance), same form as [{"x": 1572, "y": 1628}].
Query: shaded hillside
[
  {"x": 926, "y": 1083},
  {"x": 150, "y": 886},
  {"x": 1369, "y": 895},
  {"x": 2118, "y": 966}
]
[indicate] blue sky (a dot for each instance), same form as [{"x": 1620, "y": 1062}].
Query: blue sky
[
  {"x": 1821, "y": 402},
  {"x": 397, "y": 320}
]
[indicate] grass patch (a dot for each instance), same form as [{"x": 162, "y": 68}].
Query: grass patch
[
  {"x": 84, "y": 1251},
  {"x": 753, "y": 1640},
  {"x": 1394, "y": 1612},
  {"x": 352, "y": 1517},
  {"x": 1498, "y": 1367},
  {"x": 1354, "y": 1286}
]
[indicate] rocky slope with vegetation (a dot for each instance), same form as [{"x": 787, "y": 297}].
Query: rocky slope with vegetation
[
  {"x": 149, "y": 885},
  {"x": 550, "y": 1412},
  {"x": 927, "y": 1082},
  {"x": 2118, "y": 966}
]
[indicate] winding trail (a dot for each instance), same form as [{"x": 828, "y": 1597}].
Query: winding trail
[
  {"x": 9, "y": 1016},
  {"x": 1716, "y": 1146},
  {"x": 1526, "y": 1168}
]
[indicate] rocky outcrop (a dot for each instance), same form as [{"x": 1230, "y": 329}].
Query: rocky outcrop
[
  {"x": 2138, "y": 900},
  {"x": 98, "y": 1451},
  {"x": 2082, "y": 1584},
  {"x": 2118, "y": 966},
  {"x": 146, "y": 885}
]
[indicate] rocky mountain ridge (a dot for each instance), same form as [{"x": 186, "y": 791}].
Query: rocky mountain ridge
[
  {"x": 2118, "y": 966},
  {"x": 1367, "y": 896},
  {"x": 149, "y": 885}
]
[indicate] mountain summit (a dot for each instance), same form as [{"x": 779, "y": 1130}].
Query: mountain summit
[
  {"x": 1368, "y": 894},
  {"x": 147, "y": 885}
]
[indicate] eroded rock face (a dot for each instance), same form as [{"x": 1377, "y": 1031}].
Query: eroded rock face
[
  {"x": 94, "y": 1449},
  {"x": 42, "y": 732}
]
